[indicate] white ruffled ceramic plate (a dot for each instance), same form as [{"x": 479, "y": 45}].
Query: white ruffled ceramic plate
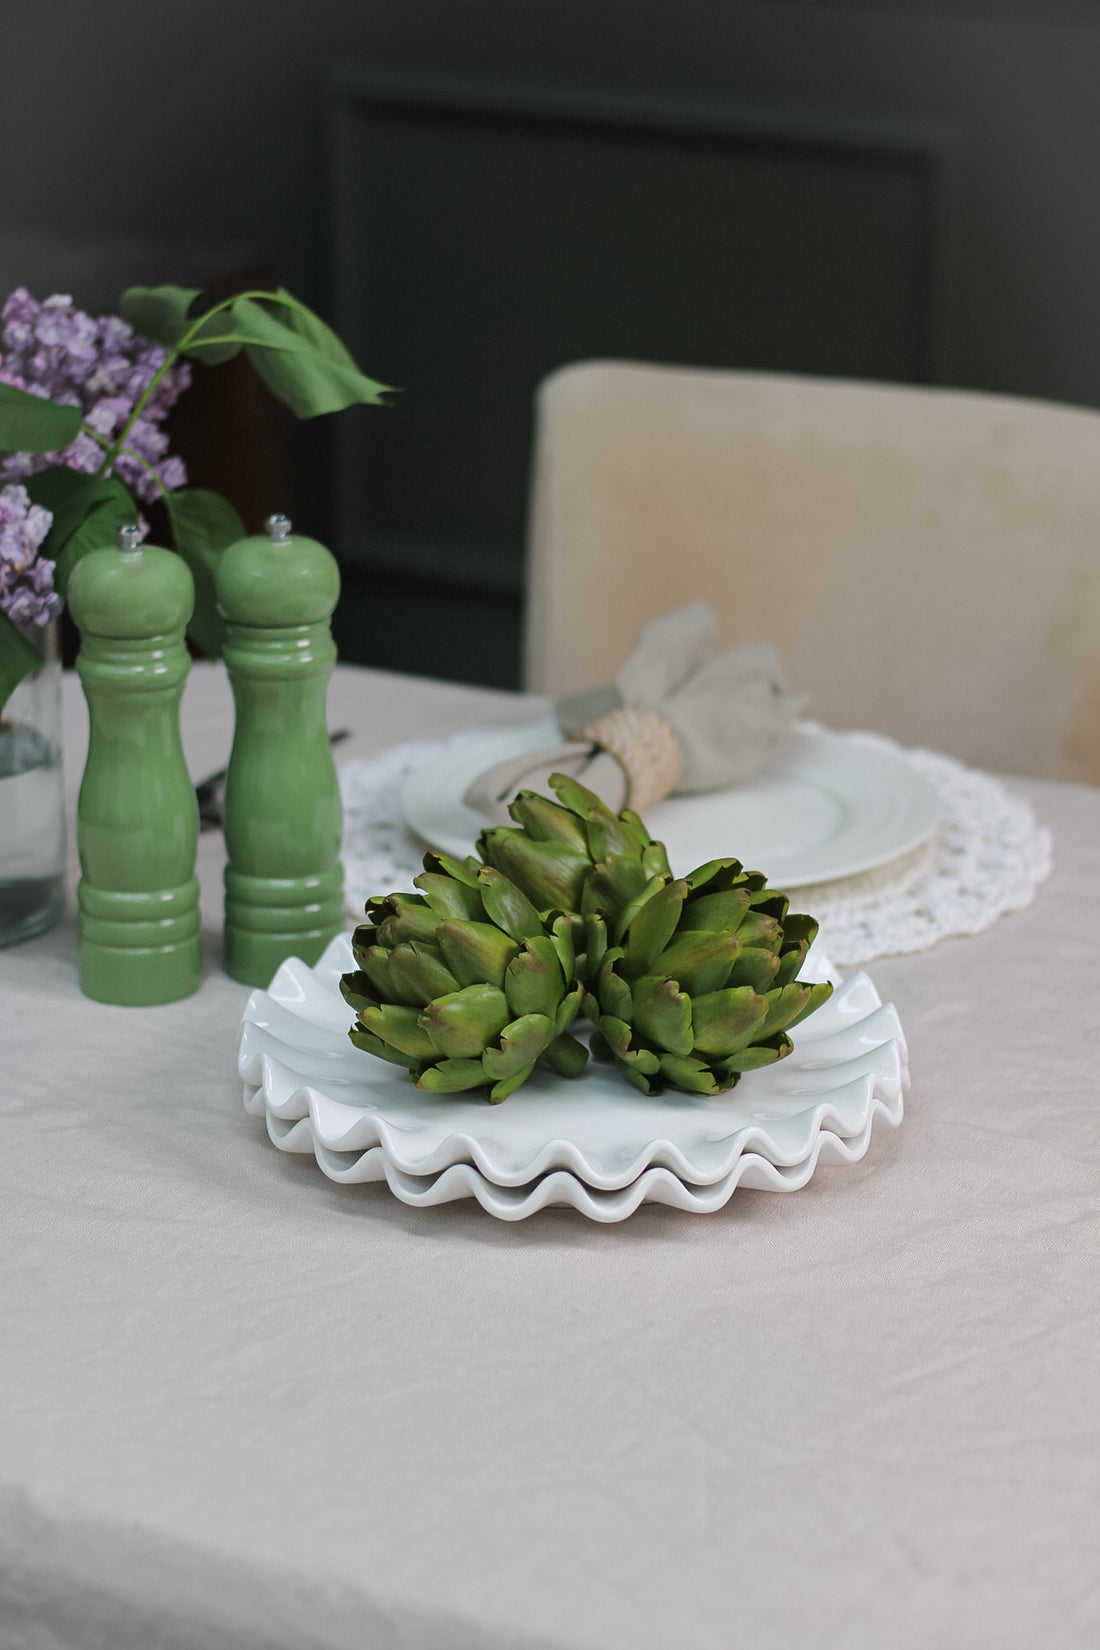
[
  {"x": 595, "y": 1144},
  {"x": 824, "y": 807}
]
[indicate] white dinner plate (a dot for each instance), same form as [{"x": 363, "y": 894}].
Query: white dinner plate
[
  {"x": 363, "y": 1120},
  {"x": 826, "y": 806}
]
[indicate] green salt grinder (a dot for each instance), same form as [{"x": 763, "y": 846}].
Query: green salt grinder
[
  {"x": 137, "y": 817},
  {"x": 284, "y": 884}
]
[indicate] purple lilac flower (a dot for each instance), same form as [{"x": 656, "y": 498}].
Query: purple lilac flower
[
  {"x": 103, "y": 367},
  {"x": 27, "y": 594}
]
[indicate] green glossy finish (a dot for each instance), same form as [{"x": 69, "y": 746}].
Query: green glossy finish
[
  {"x": 137, "y": 818},
  {"x": 269, "y": 582},
  {"x": 283, "y": 818}
]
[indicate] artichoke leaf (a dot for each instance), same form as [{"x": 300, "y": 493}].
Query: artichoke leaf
[
  {"x": 545, "y": 821},
  {"x": 652, "y": 928},
  {"x": 785, "y": 1005},
  {"x": 376, "y": 966},
  {"x": 551, "y": 874},
  {"x": 757, "y": 1055},
  {"x": 716, "y": 876},
  {"x": 357, "y": 990},
  {"x": 720, "y": 913},
  {"x": 565, "y": 1055},
  {"x": 507, "y": 905},
  {"x": 449, "y": 897},
  {"x": 662, "y": 1014},
  {"x": 463, "y": 1022},
  {"x": 418, "y": 973},
  {"x": 521, "y": 1043},
  {"x": 568, "y": 1009},
  {"x": 820, "y": 992},
  {"x": 629, "y": 912},
  {"x": 475, "y": 952},
  {"x": 451, "y": 1077},
  {"x": 754, "y": 966},
  {"x": 726, "y": 1020},
  {"x": 399, "y": 1027},
  {"x": 699, "y": 962},
  {"x": 565, "y": 928},
  {"x": 760, "y": 929},
  {"x": 508, "y": 1085},
  {"x": 612, "y": 990},
  {"x": 410, "y": 918},
  {"x": 371, "y": 1044},
  {"x": 694, "y": 1076},
  {"x": 462, "y": 870},
  {"x": 533, "y": 981}
]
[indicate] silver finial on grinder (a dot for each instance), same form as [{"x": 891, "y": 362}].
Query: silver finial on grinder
[{"x": 277, "y": 528}]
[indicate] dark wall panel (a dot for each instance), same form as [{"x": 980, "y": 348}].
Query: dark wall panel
[{"x": 481, "y": 238}]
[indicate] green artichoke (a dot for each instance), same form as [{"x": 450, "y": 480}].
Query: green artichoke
[
  {"x": 472, "y": 981},
  {"x": 577, "y": 859},
  {"x": 464, "y": 984},
  {"x": 701, "y": 982}
]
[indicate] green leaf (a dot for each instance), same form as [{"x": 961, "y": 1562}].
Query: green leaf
[
  {"x": 533, "y": 981},
  {"x": 694, "y": 1076},
  {"x": 652, "y": 926},
  {"x": 475, "y": 951},
  {"x": 508, "y": 906},
  {"x": 301, "y": 361},
  {"x": 18, "y": 658},
  {"x": 699, "y": 962},
  {"x": 545, "y": 821},
  {"x": 727, "y": 1020},
  {"x": 450, "y": 897},
  {"x": 158, "y": 312},
  {"x": 31, "y": 424},
  {"x": 461, "y": 1023},
  {"x": 409, "y": 917},
  {"x": 418, "y": 973},
  {"x": 68, "y": 495},
  {"x": 452, "y": 1077},
  {"x": 566, "y": 1056},
  {"x": 551, "y": 874},
  {"x": 758, "y": 1055},
  {"x": 399, "y": 1027},
  {"x": 521, "y": 1043},
  {"x": 203, "y": 525},
  {"x": 367, "y": 1041},
  {"x": 111, "y": 508},
  {"x": 357, "y": 990},
  {"x": 508, "y": 1085},
  {"x": 226, "y": 343},
  {"x": 662, "y": 1014}
]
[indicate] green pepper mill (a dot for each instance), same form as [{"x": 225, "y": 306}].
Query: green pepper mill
[
  {"x": 284, "y": 883},
  {"x": 137, "y": 826}
]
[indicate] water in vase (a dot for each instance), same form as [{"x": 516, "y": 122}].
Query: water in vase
[{"x": 32, "y": 833}]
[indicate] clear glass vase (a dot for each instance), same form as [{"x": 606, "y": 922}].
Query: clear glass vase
[{"x": 32, "y": 798}]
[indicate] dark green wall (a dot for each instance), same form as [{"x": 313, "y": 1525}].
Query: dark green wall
[{"x": 209, "y": 122}]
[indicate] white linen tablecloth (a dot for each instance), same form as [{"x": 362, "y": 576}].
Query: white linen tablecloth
[{"x": 246, "y": 1409}]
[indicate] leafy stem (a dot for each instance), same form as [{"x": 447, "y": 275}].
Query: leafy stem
[{"x": 180, "y": 347}]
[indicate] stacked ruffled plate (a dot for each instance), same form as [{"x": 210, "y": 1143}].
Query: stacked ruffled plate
[{"x": 595, "y": 1144}]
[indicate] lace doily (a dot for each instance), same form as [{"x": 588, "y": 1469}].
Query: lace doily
[{"x": 986, "y": 856}]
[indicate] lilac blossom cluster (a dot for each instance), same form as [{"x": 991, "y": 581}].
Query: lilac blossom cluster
[
  {"x": 103, "y": 367},
  {"x": 27, "y": 594}
]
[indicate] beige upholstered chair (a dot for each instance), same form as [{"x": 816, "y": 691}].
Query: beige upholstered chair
[{"x": 927, "y": 561}]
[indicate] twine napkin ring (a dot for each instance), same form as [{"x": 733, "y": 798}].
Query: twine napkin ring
[{"x": 646, "y": 748}]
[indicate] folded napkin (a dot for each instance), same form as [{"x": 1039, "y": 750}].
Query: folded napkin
[{"x": 677, "y": 720}]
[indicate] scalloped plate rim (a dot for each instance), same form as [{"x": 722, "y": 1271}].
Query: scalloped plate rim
[{"x": 885, "y": 1080}]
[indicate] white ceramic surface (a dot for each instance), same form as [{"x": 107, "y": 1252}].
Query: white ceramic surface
[
  {"x": 597, "y": 1143},
  {"x": 824, "y": 807}
]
